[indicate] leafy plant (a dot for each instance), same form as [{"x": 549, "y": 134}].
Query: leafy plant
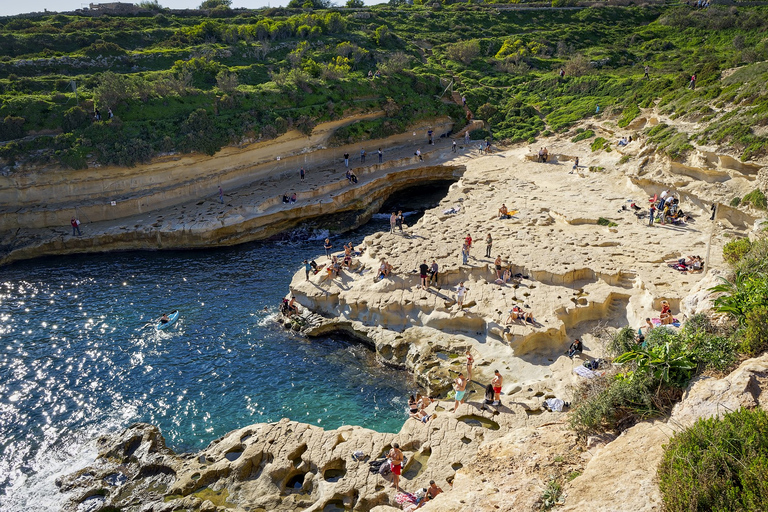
[
  {"x": 718, "y": 464},
  {"x": 756, "y": 199},
  {"x": 586, "y": 134},
  {"x": 665, "y": 364},
  {"x": 734, "y": 250},
  {"x": 741, "y": 295}
]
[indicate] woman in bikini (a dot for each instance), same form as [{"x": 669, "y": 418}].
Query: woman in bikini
[{"x": 470, "y": 361}]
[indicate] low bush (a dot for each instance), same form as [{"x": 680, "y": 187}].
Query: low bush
[
  {"x": 735, "y": 250},
  {"x": 735, "y": 202},
  {"x": 718, "y": 464},
  {"x": 598, "y": 144},
  {"x": 755, "y": 338},
  {"x": 586, "y": 134},
  {"x": 756, "y": 199}
]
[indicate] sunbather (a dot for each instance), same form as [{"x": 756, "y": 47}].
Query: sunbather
[{"x": 666, "y": 313}]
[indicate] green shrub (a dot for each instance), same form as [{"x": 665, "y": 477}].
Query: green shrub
[
  {"x": 718, "y": 464},
  {"x": 74, "y": 119},
  {"x": 624, "y": 159},
  {"x": 622, "y": 341},
  {"x": 735, "y": 250},
  {"x": 735, "y": 202},
  {"x": 611, "y": 402},
  {"x": 757, "y": 199},
  {"x": 586, "y": 134},
  {"x": 755, "y": 338},
  {"x": 11, "y": 127},
  {"x": 602, "y": 221},
  {"x": 598, "y": 144}
]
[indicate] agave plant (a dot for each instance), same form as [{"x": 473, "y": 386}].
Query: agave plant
[
  {"x": 746, "y": 292},
  {"x": 662, "y": 362}
]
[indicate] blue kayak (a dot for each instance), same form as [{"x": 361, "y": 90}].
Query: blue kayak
[{"x": 171, "y": 320}]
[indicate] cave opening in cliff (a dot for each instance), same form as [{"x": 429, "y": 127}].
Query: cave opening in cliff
[{"x": 418, "y": 198}]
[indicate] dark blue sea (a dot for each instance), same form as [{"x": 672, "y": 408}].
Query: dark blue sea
[{"x": 78, "y": 359}]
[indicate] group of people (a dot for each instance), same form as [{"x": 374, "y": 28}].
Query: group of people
[
  {"x": 396, "y": 221},
  {"x": 289, "y": 199},
  {"x": 543, "y": 155},
  {"x": 428, "y": 274},
  {"x": 372, "y": 75},
  {"x": 667, "y": 209},
  {"x": 518, "y": 313},
  {"x": 417, "y": 408},
  {"x": 385, "y": 270},
  {"x": 351, "y": 177},
  {"x": 624, "y": 141},
  {"x": 289, "y": 307},
  {"x": 692, "y": 264}
]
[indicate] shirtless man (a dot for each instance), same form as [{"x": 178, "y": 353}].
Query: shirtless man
[
  {"x": 396, "y": 459},
  {"x": 460, "y": 385},
  {"x": 503, "y": 212},
  {"x": 432, "y": 491},
  {"x": 497, "y": 264},
  {"x": 497, "y": 381}
]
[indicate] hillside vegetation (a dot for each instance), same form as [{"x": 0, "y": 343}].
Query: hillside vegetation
[{"x": 195, "y": 81}]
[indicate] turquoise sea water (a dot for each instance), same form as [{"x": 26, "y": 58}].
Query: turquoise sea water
[{"x": 78, "y": 360}]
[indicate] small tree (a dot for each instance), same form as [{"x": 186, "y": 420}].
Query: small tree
[
  {"x": 213, "y": 4},
  {"x": 75, "y": 118},
  {"x": 355, "y": 4}
]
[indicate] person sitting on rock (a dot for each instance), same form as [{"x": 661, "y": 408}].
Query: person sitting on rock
[
  {"x": 576, "y": 346},
  {"x": 504, "y": 212},
  {"x": 293, "y": 197},
  {"x": 432, "y": 491},
  {"x": 512, "y": 316},
  {"x": 666, "y": 313},
  {"x": 293, "y": 307}
]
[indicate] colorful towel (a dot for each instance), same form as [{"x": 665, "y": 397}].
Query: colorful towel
[
  {"x": 405, "y": 497},
  {"x": 657, "y": 322}
]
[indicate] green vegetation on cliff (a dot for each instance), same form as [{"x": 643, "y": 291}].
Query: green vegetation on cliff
[
  {"x": 654, "y": 373},
  {"x": 187, "y": 81}
]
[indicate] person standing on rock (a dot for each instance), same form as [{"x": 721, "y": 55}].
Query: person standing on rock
[
  {"x": 470, "y": 362},
  {"x": 468, "y": 241},
  {"x": 488, "y": 245},
  {"x": 433, "y": 270},
  {"x": 346, "y": 159},
  {"x": 429, "y": 136},
  {"x": 307, "y": 269},
  {"x": 497, "y": 265},
  {"x": 460, "y": 385},
  {"x": 453, "y": 146},
  {"x": 396, "y": 461},
  {"x": 461, "y": 293},
  {"x": 400, "y": 220},
  {"x": 221, "y": 195},
  {"x": 466, "y": 137},
  {"x": 362, "y": 156},
  {"x": 464, "y": 253},
  {"x": 301, "y": 173},
  {"x": 497, "y": 382},
  {"x": 328, "y": 247},
  {"x": 392, "y": 222},
  {"x": 75, "y": 226},
  {"x": 647, "y": 70},
  {"x": 424, "y": 272},
  {"x": 381, "y": 155}
]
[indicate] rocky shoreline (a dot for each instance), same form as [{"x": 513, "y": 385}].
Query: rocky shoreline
[{"x": 585, "y": 262}]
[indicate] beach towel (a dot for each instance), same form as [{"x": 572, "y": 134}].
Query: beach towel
[
  {"x": 555, "y": 404},
  {"x": 405, "y": 497},
  {"x": 452, "y": 210},
  {"x": 584, "y": 372},
  {"x": 657, "y": 322}
]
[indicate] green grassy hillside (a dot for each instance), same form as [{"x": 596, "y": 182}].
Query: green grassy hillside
[{"x": 197, "y": 81}]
